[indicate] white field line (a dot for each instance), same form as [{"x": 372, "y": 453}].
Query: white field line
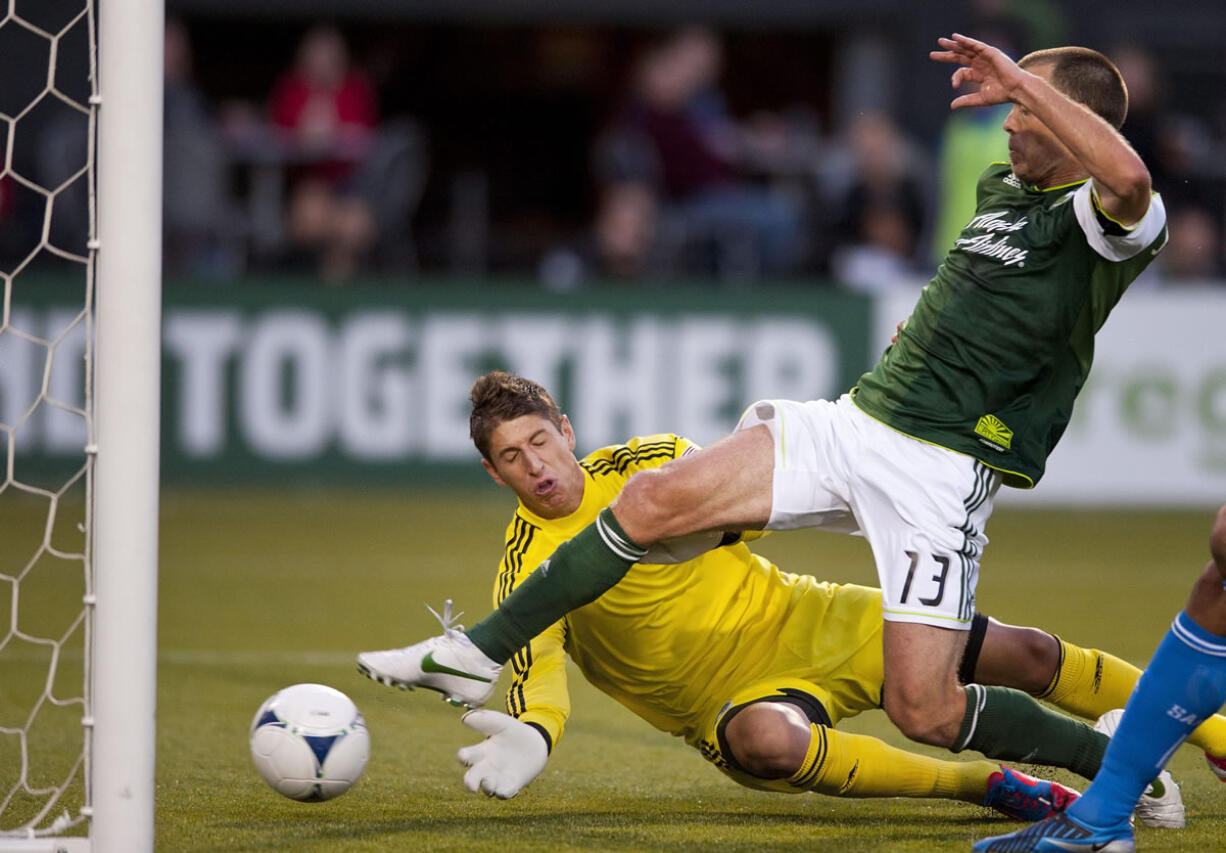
[
  {"x": 255, "y": 657},
  {"x": 206, "y": 657}
]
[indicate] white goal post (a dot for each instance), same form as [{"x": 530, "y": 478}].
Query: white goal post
[
  {"x": 118, "y": 335},
  {"x": 127, "y": 414}
]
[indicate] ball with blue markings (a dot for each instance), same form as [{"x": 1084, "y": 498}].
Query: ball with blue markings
[{"x": 309, "y": 742}]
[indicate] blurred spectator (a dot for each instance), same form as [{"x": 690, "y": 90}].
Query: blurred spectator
[
  {"x": 199, "y": 232},
  {"x": 1144, "y": 125},
  {"x": 12, "y": 228},
  {"x": 883, "y": 210},
  {"x": 623, "y": 243},
  {"x": 677, "y": 135},
  {"x": 6, "y": 200},
  {"x": 971, "y": 139},
  {"x": 325, "y": 111},
  {"x": 1194, "y": 251},
  {"x": 1179, "y": 151},
  {"x": 1176, "y": 148},
  {"x": 1034, "y": 24},
  {"x": 974, "y": 138}
]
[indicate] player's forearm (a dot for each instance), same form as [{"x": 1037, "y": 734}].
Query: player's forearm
[{"x": 1120, "y": 176}]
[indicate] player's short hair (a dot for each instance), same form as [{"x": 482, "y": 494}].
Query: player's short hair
[
  {"x": 1087, "y": 77},
  {"x": 500, "y": 396}
]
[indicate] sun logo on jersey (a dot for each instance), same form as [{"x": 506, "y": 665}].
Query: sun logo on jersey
[{"x": 994, "y": 433}]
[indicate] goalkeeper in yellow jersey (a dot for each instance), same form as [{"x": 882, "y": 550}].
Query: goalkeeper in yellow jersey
[{"x": 754, "y": 667}]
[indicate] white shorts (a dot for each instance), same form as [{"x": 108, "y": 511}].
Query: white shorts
[{"x": 921, "y": 507}]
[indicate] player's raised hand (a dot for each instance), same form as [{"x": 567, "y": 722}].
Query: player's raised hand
[
  {"x": 992, "y": 72},
  {"x": 511, "y": 756}
]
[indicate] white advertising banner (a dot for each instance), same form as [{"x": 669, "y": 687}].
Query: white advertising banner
[{"x": 1149, "y": 428}]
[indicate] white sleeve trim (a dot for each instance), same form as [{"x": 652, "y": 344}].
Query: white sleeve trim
[{"x": 1119, "y": 247}]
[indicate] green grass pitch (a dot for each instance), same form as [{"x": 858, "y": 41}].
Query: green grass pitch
[{"x": 259, "y": 591}]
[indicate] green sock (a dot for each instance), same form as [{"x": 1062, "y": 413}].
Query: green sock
[
  {"x": 1009, "y": 725},
  {"x": 577, "y": 573}
]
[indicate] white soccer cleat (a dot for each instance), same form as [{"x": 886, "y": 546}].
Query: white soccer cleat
[
  {"x": 1161, "y": 806},
  {"x": 449, "y": 664}
]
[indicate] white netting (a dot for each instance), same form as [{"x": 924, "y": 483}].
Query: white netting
[{"x": 47, "y": 120}]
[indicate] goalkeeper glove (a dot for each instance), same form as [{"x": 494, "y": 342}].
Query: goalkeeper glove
[{"x": 511, "y": 756}]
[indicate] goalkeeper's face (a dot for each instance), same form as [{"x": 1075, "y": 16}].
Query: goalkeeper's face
[{"x": 536, "y": 460}]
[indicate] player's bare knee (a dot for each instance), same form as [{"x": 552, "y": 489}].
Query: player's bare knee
[
  {"x": 1038, "y": 659},
  {"x": 924, "y": 714},
  {"x": 1016, "y": 656},
  {"x": 768, "y": 739}
]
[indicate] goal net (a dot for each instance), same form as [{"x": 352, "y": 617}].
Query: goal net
[
  {"x": 45, "y": 415},
  {"x": 77, "y": 495}
]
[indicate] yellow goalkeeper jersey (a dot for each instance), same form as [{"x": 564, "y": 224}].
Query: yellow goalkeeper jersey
[{"x": 672, "y": 642}]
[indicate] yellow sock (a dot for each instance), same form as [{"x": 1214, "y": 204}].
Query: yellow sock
[
  {"x": 849, "y": 765},
  {"x": 1090, "y": 683},
  {"x": 1211, "y": 736}
]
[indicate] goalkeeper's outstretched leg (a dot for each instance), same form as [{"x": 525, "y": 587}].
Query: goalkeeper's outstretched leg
[{"x": 776, "y": 746}]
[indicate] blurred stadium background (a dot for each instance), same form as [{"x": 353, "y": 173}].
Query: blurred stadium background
[
  {"x": 750, "y": 194},
  {"x": 509, "y": 188}
]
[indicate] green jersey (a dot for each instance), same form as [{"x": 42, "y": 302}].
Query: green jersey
[{"x": 1002, "y": 338}]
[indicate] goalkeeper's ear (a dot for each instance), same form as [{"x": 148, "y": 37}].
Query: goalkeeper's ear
[{"x": 493, "y": 472}]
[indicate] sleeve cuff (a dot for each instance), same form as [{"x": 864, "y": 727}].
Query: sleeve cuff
[{"x": 544, "y": 734}]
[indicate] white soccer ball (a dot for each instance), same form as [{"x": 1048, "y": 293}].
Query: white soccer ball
[{"x": 309, "y": 742}]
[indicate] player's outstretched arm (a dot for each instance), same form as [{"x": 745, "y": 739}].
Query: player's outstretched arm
[{"x": 1120, "y": 176}]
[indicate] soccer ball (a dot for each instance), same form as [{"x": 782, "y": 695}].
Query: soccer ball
[{"x": 309, "y": 742}]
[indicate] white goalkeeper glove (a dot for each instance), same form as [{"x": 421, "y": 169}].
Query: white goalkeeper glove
[{"x": 511, "y": 756}]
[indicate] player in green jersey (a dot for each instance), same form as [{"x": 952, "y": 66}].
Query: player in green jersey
[{"x": 976, "y": 392}]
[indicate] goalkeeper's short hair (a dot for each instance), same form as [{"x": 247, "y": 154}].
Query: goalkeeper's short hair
[{"x": 500, "y": 396}]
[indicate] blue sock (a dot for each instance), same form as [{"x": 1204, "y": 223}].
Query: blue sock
[{"x": 1184, "y": 683}]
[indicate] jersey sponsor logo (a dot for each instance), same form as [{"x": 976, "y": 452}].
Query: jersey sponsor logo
[
  {"x": 994, "y": 430},
  {"x": 995, "y": 242},
  {"x": 994, "y": 248},
  {"x": 996, "y": 221},
  {"x": 1011, "y": 180}
]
